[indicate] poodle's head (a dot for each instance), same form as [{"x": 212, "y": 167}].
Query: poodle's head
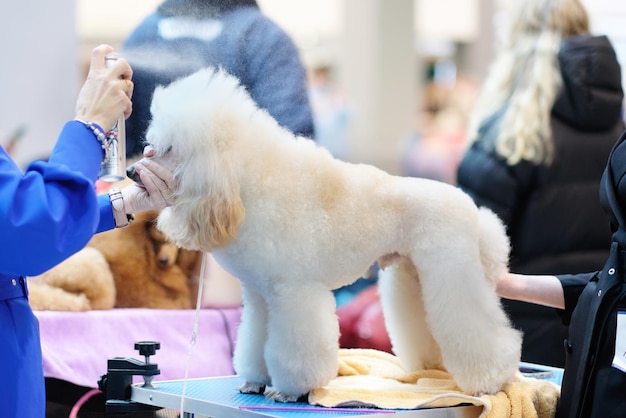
[{"x": 192, "y": 131}]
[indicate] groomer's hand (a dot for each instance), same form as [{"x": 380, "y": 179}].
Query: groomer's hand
[
  {"x": 539, "y": 289},
  {"x": 106, "y": 93},
  {"x": 157, "y": 191}
]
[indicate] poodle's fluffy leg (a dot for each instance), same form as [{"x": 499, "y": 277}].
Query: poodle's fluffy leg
[
  {"x": 303, "y": 334},
  {"x": 405, "y": 318},
  {"x": 478, "y": 345},
  {"x": 249, "y": 361}
]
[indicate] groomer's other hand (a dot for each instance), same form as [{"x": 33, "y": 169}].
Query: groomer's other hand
[
  {"x": 106, "y": 93},
  {"x": 158, "y": 188}
]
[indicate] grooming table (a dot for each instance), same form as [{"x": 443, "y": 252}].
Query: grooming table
[
  {"x": 218, "y": 397},
  {"x": 539, "y": 371}
]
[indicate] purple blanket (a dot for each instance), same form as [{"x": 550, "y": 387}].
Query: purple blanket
[{"x": 77, "y": 345}]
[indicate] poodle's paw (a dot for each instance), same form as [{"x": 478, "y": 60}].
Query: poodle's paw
[
  {"x": 285, "y": 398},
  {"x": 487, "y": 388},
  {"x": 486, "y": 372},
  {"x": 485, "y": 382},
  {"x": 252, "y": 388}
]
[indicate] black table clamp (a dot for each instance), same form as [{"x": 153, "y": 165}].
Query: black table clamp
[{"x": 116, "y": 384}]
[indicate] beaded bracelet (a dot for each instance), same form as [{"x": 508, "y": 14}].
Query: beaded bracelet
[{"x": 104, "y": 139}]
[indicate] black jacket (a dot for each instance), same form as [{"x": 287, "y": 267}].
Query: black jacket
[
  {"x": 552, "y": 213},
  {"x": 591, "y": 386}
]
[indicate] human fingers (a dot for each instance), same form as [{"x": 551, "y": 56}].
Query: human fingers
[
  {"x": 158, "y": 182},
  {"x": 137, "y": 199},
  {"x": 119, "y": 67},
  {"x": 149, "y": 151},
  {"x": 103, "y": 101},
  {"x": 98, "y": 54},
  {"x": 128, "y": 111},
  {"x": 159, "y": 172},
  {"x": 106, "y": 93},
  {"x": 129, "y": 87}
]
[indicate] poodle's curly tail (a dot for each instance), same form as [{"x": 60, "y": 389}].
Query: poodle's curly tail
[{"x": 495, "y": 246}]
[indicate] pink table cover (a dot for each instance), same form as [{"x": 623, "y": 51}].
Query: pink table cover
[{"x": 77, "y": 345}]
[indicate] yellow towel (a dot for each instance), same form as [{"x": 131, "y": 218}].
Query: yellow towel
[{"x": 371, "y": 378}]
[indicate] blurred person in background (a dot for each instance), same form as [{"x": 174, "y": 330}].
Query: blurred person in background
[
  {"x": 544, "y": 123},
  {"x": 331, "y": 113},
  {"x": 435, "y": 149},
  {"x": 183, "y": 36}
]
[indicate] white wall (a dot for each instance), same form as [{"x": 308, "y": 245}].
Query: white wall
[
  {"x": 608, "y": 17},
  {"x": 39, "y": 72},
  {"x": 378, "y": 72}
]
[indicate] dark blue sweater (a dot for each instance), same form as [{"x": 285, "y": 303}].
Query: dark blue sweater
[{"x": 182, "y": 37}]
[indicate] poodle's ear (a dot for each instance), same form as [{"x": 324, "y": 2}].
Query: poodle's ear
[
  {"x": 216, "y": 225},
  {"x": 206, "y": 221}
]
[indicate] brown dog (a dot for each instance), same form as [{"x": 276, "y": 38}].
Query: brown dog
[
  {"x": 132, "y": 267},
  {"x": 149, "y": 272}
]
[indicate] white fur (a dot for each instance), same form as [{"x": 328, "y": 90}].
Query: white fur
[{"x": 292, "y": 223}]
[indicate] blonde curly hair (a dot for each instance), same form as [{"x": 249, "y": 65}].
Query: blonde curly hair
[{"x": 525, "y": 77}]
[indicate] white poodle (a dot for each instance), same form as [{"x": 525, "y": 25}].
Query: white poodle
[{"x": 293, "y": 223}]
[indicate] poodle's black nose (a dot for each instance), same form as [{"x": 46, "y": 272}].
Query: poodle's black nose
[{"x": 132, "y": 174}]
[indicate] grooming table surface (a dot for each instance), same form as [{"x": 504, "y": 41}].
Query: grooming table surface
[{"x": 218, "y": 397}]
